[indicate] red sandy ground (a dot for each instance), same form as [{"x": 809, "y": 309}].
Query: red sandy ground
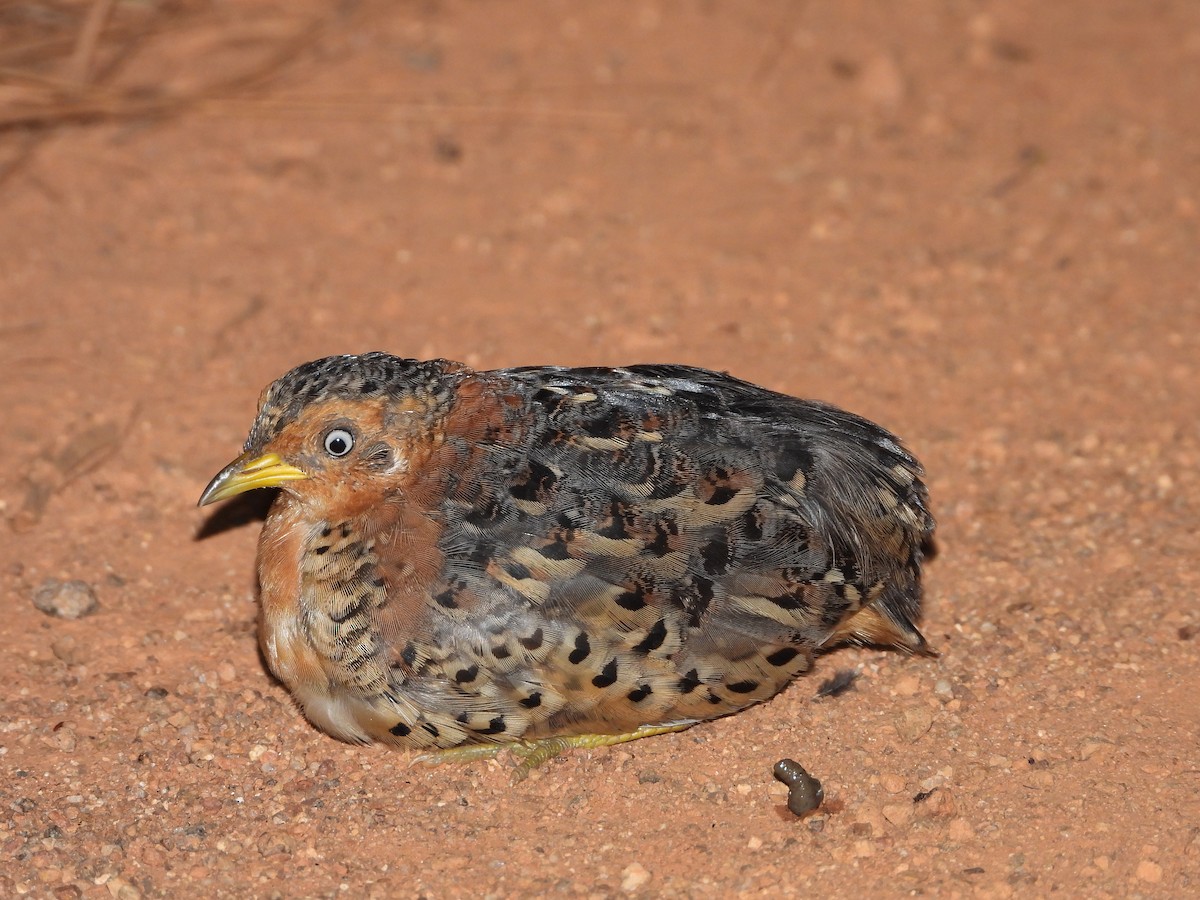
[{"x": 976, "y": 223}]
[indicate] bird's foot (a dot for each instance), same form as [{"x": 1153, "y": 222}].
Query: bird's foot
[
  {"x": 463, "y": 754},
  {"x": 533, "y": 754}
]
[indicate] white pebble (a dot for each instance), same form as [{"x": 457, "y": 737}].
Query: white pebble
[{"x": 66, "y": 599}]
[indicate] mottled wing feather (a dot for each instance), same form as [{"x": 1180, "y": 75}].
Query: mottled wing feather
[{"x": 622, "y": 546}]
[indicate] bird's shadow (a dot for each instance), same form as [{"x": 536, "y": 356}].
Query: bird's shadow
[
  {"x": 930, "y": 548},
  {"x": 252, "y": 506}
]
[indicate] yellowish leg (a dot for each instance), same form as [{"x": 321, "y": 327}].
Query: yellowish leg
[
  {"x": 534, "y": 753},
  {"x": 464, "y": 754}
]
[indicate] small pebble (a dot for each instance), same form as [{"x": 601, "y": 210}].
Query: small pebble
[
  {"x": 961, "y": 830},
  {"x": 634, "y": 876},
  {"x": 69, "y": 650},
  {"x": 938, "y": 804},
  {"x": 913, "y": 722},
  {"x": 898, "y": 814},
  {"x": 804, "y": 792},
  {"x": 1094, "y": 747},
  {"x": 66, "y": 599},
  {"x": 276, "y": 843},
  {"x": 62, "y": 739},
  {"x": 1149, "y": 871}
]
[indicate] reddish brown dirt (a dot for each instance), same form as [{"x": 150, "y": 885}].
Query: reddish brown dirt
[{"x": 975, "y": 223}]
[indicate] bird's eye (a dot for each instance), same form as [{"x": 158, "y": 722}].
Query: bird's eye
[{"x": 339, "y": 442}]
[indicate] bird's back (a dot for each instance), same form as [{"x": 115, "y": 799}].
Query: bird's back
[{"x": 656, "y": 544}]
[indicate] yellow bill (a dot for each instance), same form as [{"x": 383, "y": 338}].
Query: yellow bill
[{"x": 247, "y": 473}]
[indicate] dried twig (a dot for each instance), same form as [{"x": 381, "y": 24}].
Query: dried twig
[
  {"x": 80, "y": 68},
  {"x": 80, "y": 451}
]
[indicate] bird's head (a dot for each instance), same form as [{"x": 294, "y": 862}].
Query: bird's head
[{"x": 340, "y": 433}]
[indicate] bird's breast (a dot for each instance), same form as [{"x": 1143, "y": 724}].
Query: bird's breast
[
  {"x": 300, "y": 639},
  {"x": 281, "y": 637}
]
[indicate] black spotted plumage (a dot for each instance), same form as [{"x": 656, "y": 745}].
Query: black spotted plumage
[{"x": 551, "y": 551}]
